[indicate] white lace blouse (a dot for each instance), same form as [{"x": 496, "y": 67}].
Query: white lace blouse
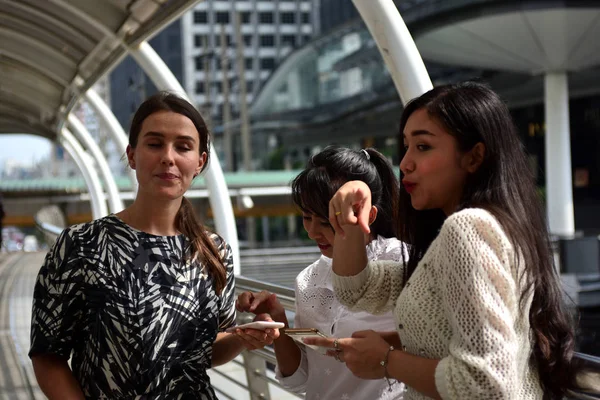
[{"x": 322, "y": 377}]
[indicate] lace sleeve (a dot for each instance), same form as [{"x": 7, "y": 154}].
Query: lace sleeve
[
  {"x": 297, "y": 381},
  {"x": 374, "y": 290}
]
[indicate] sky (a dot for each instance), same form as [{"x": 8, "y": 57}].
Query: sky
[{"x": 26, "y": 149}]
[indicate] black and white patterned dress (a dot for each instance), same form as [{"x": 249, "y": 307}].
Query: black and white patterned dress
[{"x": 139, "y": 323}]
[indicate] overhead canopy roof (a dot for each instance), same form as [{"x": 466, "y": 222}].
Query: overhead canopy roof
[
  {"x": 528, "y": 36},
  {"x": 52, "y": 51}
]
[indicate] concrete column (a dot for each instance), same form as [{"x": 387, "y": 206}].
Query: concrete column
[{"x": 559, "y": 184}]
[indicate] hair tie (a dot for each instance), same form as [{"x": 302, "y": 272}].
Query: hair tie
[{"x": 366, "y": 154}]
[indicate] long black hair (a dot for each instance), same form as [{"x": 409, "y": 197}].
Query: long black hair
[
  {"x": 504, "y": 186},
  {"x": 328, "y": 170},
  {"x": 186, "y": 220}
]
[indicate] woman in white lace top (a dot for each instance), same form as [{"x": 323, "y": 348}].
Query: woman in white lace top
[
  {"x": 304, "y": 370},
  {"x": 479, "y": 304}
]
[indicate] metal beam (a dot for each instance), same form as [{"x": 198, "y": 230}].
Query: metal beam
[
  {"x": 83, "y": 161},
  {"x": 397, "y": 47},
  {"x": 114, "y": 199}
]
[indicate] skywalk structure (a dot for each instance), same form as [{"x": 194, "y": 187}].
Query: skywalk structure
[{"x": 52, "y": 52}]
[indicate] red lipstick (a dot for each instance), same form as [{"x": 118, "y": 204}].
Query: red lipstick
[{"x": 408, "y": 186}]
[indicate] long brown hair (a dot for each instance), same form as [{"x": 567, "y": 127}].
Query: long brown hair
[
  {"x": 201, "y": 246},
  {"x": 504, "y": 186}
]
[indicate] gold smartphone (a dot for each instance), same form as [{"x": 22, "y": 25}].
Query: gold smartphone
[{"x": 300, "y": 333}]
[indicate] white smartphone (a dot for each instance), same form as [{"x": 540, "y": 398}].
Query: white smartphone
[
  {"x": 258, "y": 325},
  {"x": 300, "y": 333}
]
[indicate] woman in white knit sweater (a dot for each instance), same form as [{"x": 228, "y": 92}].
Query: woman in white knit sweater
[{"x": 478, "y": 303}]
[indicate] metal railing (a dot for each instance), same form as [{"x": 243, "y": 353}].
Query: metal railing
[{"x": 256, "y": 363}]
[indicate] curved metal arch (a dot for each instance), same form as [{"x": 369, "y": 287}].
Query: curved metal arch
[
  {"x": 82, "y": 159},
  {"x": 114, "y": 199},
  {"x": 397, "y": 47},
  {"x": 114, "y": 128}
]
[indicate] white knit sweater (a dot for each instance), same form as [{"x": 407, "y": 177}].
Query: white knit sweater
[{"x": 461, "y": 306}]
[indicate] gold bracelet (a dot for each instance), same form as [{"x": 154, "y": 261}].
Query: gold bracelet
[{"x": 384, "y": 364}]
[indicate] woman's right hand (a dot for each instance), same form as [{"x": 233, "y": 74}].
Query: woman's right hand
[
  {"x": 350, "y": 205},
  {"x": 261, "y": 303}
]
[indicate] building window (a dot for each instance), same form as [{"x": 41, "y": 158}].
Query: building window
[
  {"x": 267, "y": 40},
  {"x": 219, "y": 64},
  {"x": 199, "y": 87},
  {"x": 199, "y": 40},
  {"x": 265, "y": 17},
  {"x": 267, "y": 63},
  {"x": 306, "y": 38},
  {"x": 249, "y": 63},
  {"x": 248, "y": 40},
  {"x": 218, "y": 40},
  {"x": 288, "y": 18},
  {"x": 305, "y": 18},
  {"x": 200, "y": 17},
  {"x": 222, "y": 17},
  {"x": 199, "y": 61},
  {"x": 249, "y": 86},
  {"x": 288, "y": 40},
  {"x": 219, "y": 87},
  {"x": 246, "y": 17}
]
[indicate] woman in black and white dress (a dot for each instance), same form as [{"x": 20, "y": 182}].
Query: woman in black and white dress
[{"x": 140, "y": 299}]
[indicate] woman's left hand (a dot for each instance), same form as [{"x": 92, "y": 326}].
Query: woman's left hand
[
  {"x": 362, "y": 353},
  {"x": 253, "y": 339}
]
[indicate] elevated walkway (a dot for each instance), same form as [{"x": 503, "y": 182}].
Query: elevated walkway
[
  {"x": 17, "y": 278},
  {"x": 250, "y": 376}
]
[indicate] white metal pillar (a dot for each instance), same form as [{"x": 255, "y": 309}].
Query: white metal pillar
[
  {"x": 396, "y": 46},
  {"x": 220, "y": 201},
  {"x": 84, "y": 163},
  {"x": 80, "y": 131},
  {"x": 115, "y": 129},
  {"x": 559, "y": 183}
]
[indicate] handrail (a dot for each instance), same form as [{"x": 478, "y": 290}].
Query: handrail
[
  {"x": 266, "y": 355},
  {"x": 285, "y": 295},
  {"x": 47, "y": 228}
]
